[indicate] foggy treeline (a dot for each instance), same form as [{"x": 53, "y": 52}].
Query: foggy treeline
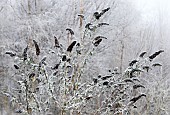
[{"x": 83, "y": 57}]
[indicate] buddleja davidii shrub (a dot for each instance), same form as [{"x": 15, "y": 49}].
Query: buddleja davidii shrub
[
  {"x": 43, "y": 86},
  {"x": 138, "y": 70},
  {"x": 30, "y": 79},
  {"x": 37, "y": 86},
  {"x": 119, "y": 93}
]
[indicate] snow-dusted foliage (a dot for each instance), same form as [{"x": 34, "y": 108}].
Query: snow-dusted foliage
[{"x": 40, "y": 87}]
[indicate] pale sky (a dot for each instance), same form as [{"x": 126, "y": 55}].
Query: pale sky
[
  {"x": 153, "y": 7},
  {"x": 158, "y": 12}
]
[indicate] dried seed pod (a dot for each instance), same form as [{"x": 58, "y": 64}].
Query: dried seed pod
[
  {"x": 68, "y": 60},
  {"x": 88, "y": 26},
  {"x": 156, "y": 64},
  {"x": 136, "y": 79},
  {"x": 133, "y": 62},
  {"x": 25, "y": 53},
  {"x": 16, "y": 66},
  {"x": 31, "y": 75},
  {"x": 106, "y": 83},
  {"x": 105, "y": 10},
  {"x": 99, "y": 37},
  {"x": 134, "y": 106},
  {"x": 56, "y": 66},
  {"x": 78, "y": 48},
  {"x": 95, "y": 81},
  {"x": 43, "y": 61},
  {"x": 80, "y": 15},
  {"x": 137, "y": 98},
  {"x": 142, "y": 54},
  {"x": 57, "y": 45},
  {"x": 55, "y": 73},
  {"x": 99, "y": 76},
  {"x": 70, "y": 47},
  {"x": 146, "y": 68},
  {"x": 155, "y": 55},
  {"x": 64, "y": 58},
  {"x": 70, "y": 30},
  {"x": 106, "y": 77},
  {"x": 10, "y": 54},
  {"x": 78, "y": 44},
  {"x": 102, "y": 24},
  {"x": 97, "y": 42},
  {"x": 19, "y": 91},
  {"x": 69, "y": 69},
  {"x": 128, "y": 80},
  {"x": 103, "y": 78},
  {"x": 37, "y": 48},
  {"x": 97, "y": 15},
  {"x": 138, "y": 86},
  {"x": 131, "y": 73},
  {"x": 87, "y": 98}
]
